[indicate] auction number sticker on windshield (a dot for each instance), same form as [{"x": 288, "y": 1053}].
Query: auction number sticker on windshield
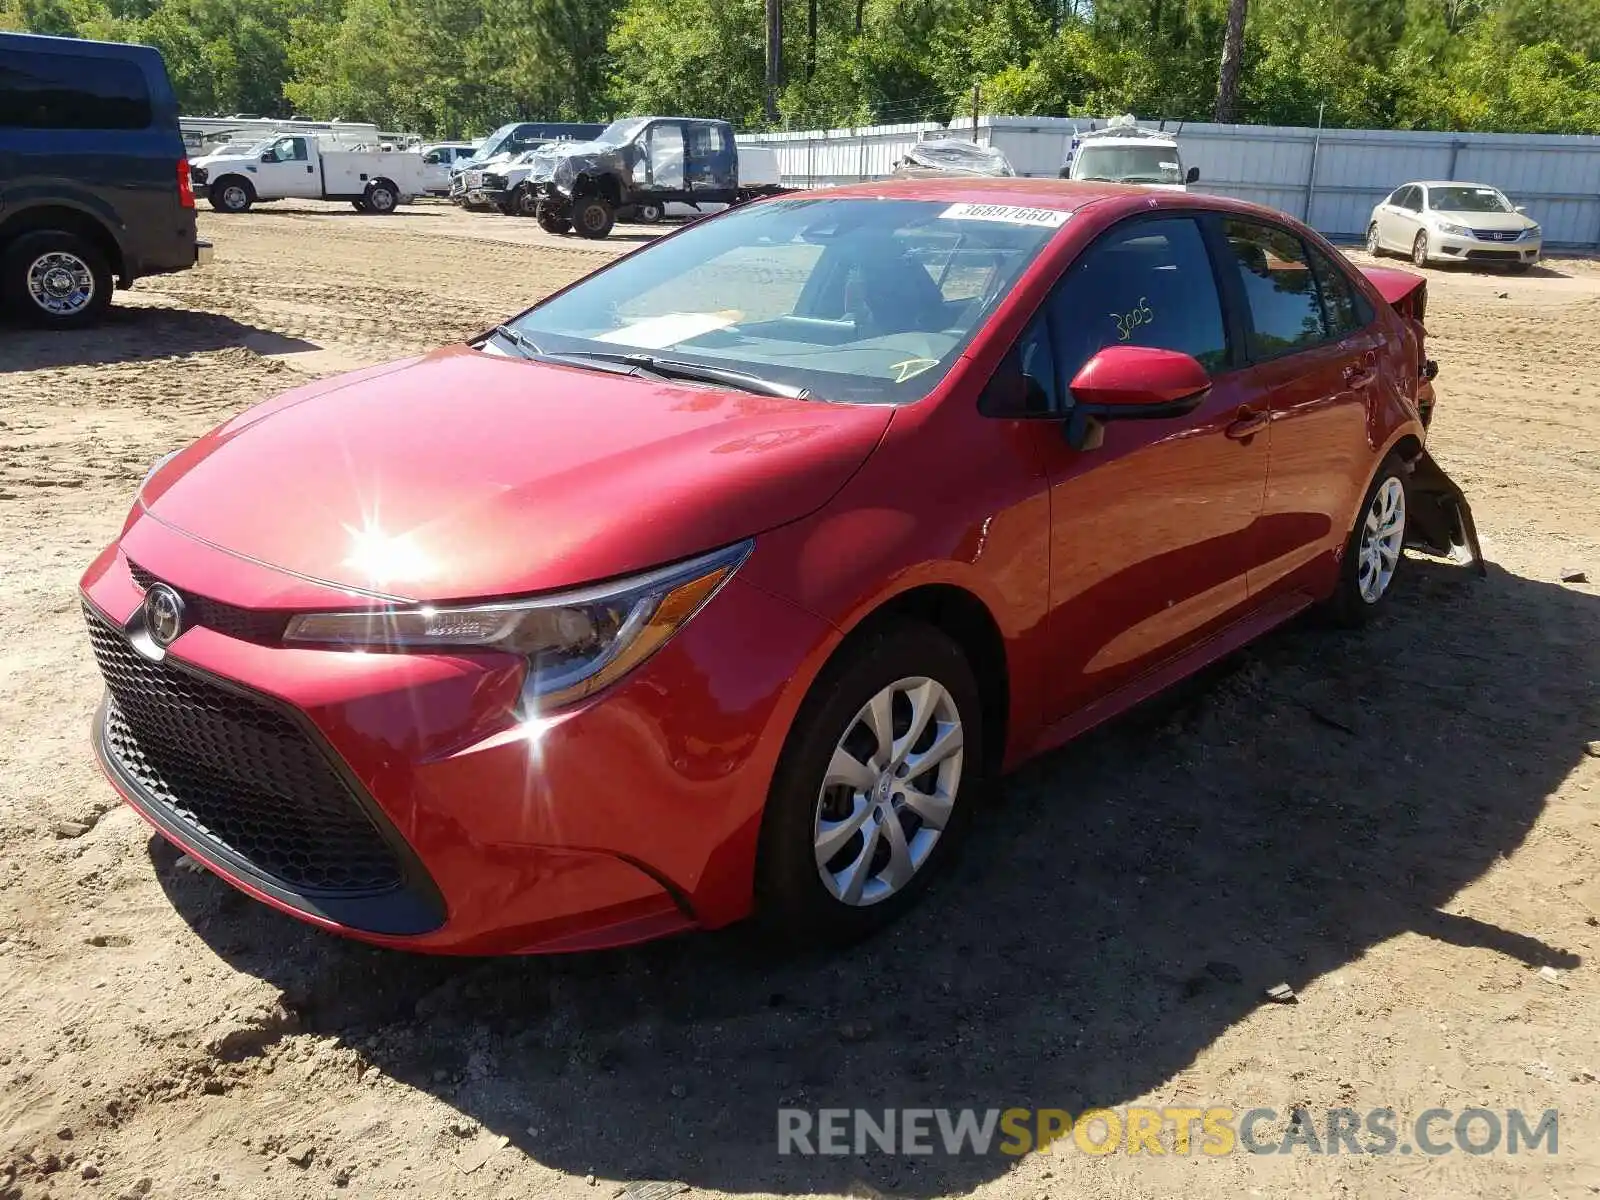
[{"x": 1008, "y": 214}]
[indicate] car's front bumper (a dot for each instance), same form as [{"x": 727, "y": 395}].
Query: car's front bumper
[
  {"x": 1473, "y": 249},
  {"x": 628, "y": 817}
]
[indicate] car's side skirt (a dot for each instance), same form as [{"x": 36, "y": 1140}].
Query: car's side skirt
[{"x": 1221, "y": 644}]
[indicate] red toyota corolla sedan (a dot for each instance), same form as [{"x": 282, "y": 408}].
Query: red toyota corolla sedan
[{"x": 719, "y": 582}]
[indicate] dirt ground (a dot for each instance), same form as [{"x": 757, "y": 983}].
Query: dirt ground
[{"x": 1403, "y": 825}]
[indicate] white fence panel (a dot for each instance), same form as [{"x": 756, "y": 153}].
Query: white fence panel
[{"x": 1329, "y": 178}]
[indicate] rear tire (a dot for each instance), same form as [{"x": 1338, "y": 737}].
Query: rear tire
[
  {"x": 55, "y": 280},
  {"x": 1374, "y": 555},
  {"x": 891, "y": 826},
  {"x": 359, "y": 205},
  {"x": 649, "y": 214},
  {"x": 592, "y": 216},
  {"x": 555, "y": 225},
  {"x": 380, "y": 198}
]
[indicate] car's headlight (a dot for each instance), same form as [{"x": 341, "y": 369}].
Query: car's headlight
[
  {"x": 575, "y": 642},
  {"x": 1532, "y": 231},
  {"x": 1450, "y": 228}
]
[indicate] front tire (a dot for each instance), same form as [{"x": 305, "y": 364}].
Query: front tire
[
  {"x": 1419, "y": 250},
  {"x": 875, "y": 787},
  {"x": 1374, "y": 245},
  {"x": 232, "y": 195},
  {"x": 555, "y": 225},
  {"x": 593, "y": 216},
  {"x": 55, "y": 279},
  {"x": 1375, "y": 552}
]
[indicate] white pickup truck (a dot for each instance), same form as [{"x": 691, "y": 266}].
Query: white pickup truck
[{"x": 296, "y": 165}]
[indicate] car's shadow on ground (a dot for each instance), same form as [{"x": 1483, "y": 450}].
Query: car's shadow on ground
[
  {"x": 132, "y": 333},
  {"x": 1319, "y": 794}
]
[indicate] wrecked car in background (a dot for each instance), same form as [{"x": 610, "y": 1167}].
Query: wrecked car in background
[
  {"x": 639, "y": 163},
  {"x": 952, "y": 156}
]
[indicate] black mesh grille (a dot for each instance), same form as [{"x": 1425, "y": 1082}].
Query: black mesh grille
[
  {"x": 238, "y": 774},
  {"x": 246, "y": 624}
]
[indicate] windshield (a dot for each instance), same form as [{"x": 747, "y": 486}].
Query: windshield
[
  {"x": 1468, "y": 199},
  {"x": 495, "y": 142},
  {"x": 866, "y": 301},
  {"x": 1129, "y": 164},
  {"x": 619, "y": 132}
]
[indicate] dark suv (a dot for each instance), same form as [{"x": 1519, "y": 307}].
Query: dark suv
[{"x": 93, "y": 180}]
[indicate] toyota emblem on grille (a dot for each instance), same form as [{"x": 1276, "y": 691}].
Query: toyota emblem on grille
[{"x": 163, "y": 614}]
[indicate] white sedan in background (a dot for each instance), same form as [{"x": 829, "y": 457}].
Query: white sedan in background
[{"x": 1451, "y": 221}]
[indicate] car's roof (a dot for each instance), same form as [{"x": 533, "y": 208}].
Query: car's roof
[
  {"x": 44, "y": 43},
  {"x": 1441, "y": 183},
  {"x": 1008, "y": 189},
  {"x": 1068, "y": 195},
  {"x": 1157, "y": 142}
]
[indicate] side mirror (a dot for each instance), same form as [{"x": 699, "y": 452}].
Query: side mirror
[
  {"x": 1193, "y": 176},
  {"x": 1522, "y": 208},
  {"x": 1140, "y": 383},
  {"x": 1132, "y": 383},
  {"x": 268, "y": 157}
]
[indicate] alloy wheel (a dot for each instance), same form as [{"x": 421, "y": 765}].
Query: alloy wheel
[
  {"x": 61, "y": 283},
  {"x": 1382, "y": 538},
  {"x": 889, "y": 791}
]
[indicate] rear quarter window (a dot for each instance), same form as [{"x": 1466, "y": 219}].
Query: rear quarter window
[{"x": 72, "y": 91}]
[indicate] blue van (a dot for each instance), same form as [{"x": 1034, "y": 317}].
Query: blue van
[{"x": 94, "y": 186}]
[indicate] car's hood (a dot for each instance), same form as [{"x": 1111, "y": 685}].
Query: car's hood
[
  {"x": 222, "y": 156},
  {"x": 465, "y": 475},
  {"x": 1485, "y": 220},
  {"x": 480, "y": 164}
]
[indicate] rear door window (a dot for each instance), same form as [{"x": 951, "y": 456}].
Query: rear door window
[
  {"x": 1345, "y": 309},
  {"x": 71, "y": 91},
  {"x": 1279, "y": 286}
]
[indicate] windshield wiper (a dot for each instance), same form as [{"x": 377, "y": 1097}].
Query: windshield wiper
[
  {"x": 524, "y": 347},
  {"x": 672, "y": 368}
]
